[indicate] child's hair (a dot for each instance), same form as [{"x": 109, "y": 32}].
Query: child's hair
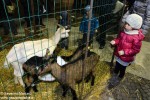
[{"x": 134, "y": 20}]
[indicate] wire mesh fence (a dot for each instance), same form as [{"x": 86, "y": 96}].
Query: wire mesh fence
[{"x": 29, "y": 27}]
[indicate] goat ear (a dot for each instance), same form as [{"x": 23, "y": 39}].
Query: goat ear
[{"x": 60, "y": 26}]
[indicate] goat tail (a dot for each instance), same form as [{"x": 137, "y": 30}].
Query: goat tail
[{"x": 6, "y": 64}]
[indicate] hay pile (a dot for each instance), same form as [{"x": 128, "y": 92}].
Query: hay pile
[{"x": 50, "y": 90}]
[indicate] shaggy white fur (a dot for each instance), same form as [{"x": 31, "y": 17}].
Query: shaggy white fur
[{"x": 21, "y": 52}]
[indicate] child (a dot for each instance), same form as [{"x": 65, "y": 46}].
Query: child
[
  {"x": 84, "y": 26},
  {"x": 128, "y": 44}
]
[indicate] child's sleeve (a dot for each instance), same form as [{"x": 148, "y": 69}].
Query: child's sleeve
[
  {"x": 81, "y": 28},
  {"x": 135, "y": 48},
  {"x": 96, "y": 23},
  {"x": 117, "y": 40}
]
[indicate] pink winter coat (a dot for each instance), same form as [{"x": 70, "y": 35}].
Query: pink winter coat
[{"x": 130, "y": 44}]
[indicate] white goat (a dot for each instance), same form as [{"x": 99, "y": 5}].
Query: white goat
[{"x": 21, "y": 52}]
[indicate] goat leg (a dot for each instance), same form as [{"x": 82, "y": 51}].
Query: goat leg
[
  {"x": 93, "y": 79},
  {"x": 65, "y": 89},
  {"x": 35, "y": 78},
  {"x": 35, "y": 88},
  {"x": 28, "y": 81},
  {"x": 27, "y": 88},
  {"x": 74, "y": 94},
  {"x": 87, "y": 79}
]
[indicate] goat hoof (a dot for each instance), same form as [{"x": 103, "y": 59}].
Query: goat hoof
[
  {"x": 92, "y": 84},
  {"x": 27, "y": 90},
  {"x": 64, "y": 94},
  {"x": 35, "y": 90},
  {"x": 75, "y": 98},
  {"x": 87, "y": 80}
]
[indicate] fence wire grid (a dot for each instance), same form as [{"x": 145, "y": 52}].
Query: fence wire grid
[{"x": 37, "y": 20}]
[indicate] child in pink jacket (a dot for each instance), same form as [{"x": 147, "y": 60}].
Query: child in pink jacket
[{"x": 128, "y": 44}]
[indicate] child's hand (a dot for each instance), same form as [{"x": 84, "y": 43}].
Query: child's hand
[
  {"x": 112, "y": 42},
  {"x": 121, "y": 52},
  {"x": 96, "y": 31}
]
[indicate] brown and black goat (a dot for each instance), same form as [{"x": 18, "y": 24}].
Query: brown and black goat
[
  {"x": 31, "y": 69},
  {"x": 71, "y": 73},
  {"x": 36, "y": 64}
]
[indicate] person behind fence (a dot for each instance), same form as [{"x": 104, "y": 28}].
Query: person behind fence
[
  {"x": 103, "y": 9},
  {"x": 84, "y": 26},
  {"x": 39, "y": 9},
  {"x": 64, "y": 21},
  {"x": 142, "y": 8},
  {"x": 7, "y": 9},
  {"x": 128, "y": 44}
]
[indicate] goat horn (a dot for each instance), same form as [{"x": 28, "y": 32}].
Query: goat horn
[{"x": 60, "y": 26}]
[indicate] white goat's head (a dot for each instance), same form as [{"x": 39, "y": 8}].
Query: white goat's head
[{"x": 63, "y": 31}]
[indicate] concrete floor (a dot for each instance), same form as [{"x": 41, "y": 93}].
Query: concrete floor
[{"x": 141, "y": 66}]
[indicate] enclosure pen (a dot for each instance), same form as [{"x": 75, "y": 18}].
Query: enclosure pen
[{"x": 37, "y": 20}]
